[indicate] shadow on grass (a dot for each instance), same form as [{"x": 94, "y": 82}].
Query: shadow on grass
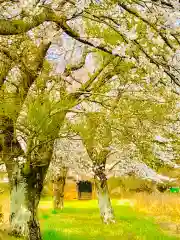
[
  {"x": 54, "y": 235},
  {"x": 77, "y": 211}
]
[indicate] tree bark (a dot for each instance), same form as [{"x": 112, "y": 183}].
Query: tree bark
[
  {"x": 58, "y": 189},
  {"x": 24, "y": 190},
  {"x": 105, "y": 207},
  {"x": 25, "y": 196}
]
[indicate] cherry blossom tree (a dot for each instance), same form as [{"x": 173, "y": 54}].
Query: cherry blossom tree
[
  {"x": 69, "y": 154},
  {"x": 130, "y": 120},
  {"x": 142, "y": 48}
]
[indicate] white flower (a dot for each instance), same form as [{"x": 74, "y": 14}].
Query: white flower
[
  {"x": 82, "y": 4},
  {"x": 132, "y": 34},
  {"x": 120, "y": 50}
]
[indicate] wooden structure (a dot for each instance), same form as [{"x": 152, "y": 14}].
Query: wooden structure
[
  {"x": 84, "y": 189},
  {"x": 71, "y": 190}
]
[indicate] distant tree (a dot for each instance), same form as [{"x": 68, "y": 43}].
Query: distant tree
[
  {"x": 58, "y": 188},
  {"x": 127, "y": 120},
  {"x": 69, "y": 154}
]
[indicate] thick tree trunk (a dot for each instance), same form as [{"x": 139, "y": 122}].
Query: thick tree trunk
[
  {"x": 25, "y": 197},
  {"x": 25, "y": 186},
  {"x": 58, "y": 189},
  {"x": 105, "y": 206}
]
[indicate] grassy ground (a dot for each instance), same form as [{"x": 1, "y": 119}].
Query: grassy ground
[
  {"x": 80, "y": 220},
  {"x": 149, "y": 217}
]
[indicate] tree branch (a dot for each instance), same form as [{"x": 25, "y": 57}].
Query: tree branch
[
  {"x": 136, "y": 14},
  {"x": 14, "y": 27},
  {"x": 72, "y": 33}
]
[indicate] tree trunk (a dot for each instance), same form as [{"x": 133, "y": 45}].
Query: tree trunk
[
  {"x": 25, "y": 197},
  {"x": 104, "y": 202},
  {"x": 58, "y": 189},
  {"x": 25, "y": 186}
]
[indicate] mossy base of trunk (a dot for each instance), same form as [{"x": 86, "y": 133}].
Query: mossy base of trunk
[
  {"x": 23, "y": 218},
  {"x": 25, "y": 197}
]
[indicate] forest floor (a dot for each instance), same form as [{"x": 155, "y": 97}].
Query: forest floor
[{"x": 140, "y": 217}]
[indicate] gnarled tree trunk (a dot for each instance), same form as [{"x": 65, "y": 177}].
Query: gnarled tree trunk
[
  {"x": 24, "y": 192},
  {"x": 58, "y": 188},
  {"x": 104, "y": 201},
  {"x": 25, "y": 197}
]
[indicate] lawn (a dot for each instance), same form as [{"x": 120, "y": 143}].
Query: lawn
[
  {"x": 148, "y": 219},
  {"x": 80, "y": 220}
]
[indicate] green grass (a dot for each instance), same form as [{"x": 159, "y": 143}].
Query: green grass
[{"x": 80, "y": 220}]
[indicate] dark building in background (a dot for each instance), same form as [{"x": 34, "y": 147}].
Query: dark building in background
[{"x": 84, "y": 189}]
